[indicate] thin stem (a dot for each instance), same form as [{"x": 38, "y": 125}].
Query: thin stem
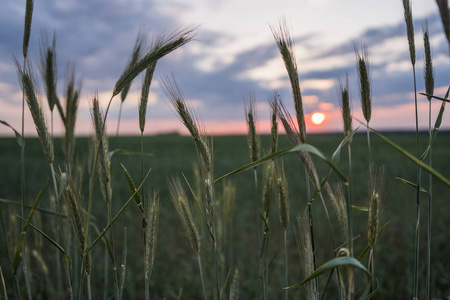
[
  {"x": 142, "y": 167},
  {"x": 430, "y": 210},
  {"x": 201, "y": 275},
  {"x": 419, "y": 169},
  {"x": 147, "y": 289},
  {"x": 261, "y": 258},
  {"x": 348, "y": 201},
  {"x": 22, "y": 188},
  {"x": 105, "y": 281},
  {"x": 89, "y": 286},
  {"x": 286, "y": 263},
  {"x": 118, "y": 120},
  {"x": 368, "y": 143},
  {"x": 113, "y": 258}
]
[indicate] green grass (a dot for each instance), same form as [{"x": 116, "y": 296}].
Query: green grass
[{"x": 176, "y": 266}]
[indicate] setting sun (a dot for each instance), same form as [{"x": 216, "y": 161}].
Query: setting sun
[{"x": 317, "y": 118}]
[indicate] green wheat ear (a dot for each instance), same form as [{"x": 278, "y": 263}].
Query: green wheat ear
[
  {"x": 409, "y": 30},
  {"x": 286, "y": 47},
  {"x": 151, "y": 234},
  {"x": 346, "y": 107},
  {"x": 104, "y": 165},
  {"x": 166, "y": 44},
  {"x": 252, "y": 137},
  {"x": 362, "y": 64},
  {"x": 27, "y": 28},
  {"x": 29, "y": 86},
  {"x": 428, "y": 70}
]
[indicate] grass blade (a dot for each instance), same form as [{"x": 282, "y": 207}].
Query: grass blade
[
  {"x": 137, "y": 197},
  {"x": 291, "y": 149},
  {"x": 413, "y": 158},
  {"x": 19, "y": 247},
  {"x": 19, "y": 138},
  {"x": 435, "y": 97},
  {"x": 47, "y": 237},
  {"x": 330, "y": 265},
  {"x": 105, "y": 230},
  {"x": 336, "y": 157},
  {"x": 407, "y": 182}
]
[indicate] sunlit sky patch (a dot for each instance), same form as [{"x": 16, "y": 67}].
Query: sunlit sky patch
[{"x": 233, "y": 53}]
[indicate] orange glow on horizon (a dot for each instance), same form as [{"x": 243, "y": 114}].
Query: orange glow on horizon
[{"x": 317, "y": 118}]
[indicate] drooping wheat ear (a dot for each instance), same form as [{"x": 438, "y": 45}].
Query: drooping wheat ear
[
  {"x": 73, "y": 91},
  {"x": 151, "y": 234},
  {"x": 252, "y": 137},
  {"x": 409, "y": 29},
  {"x": 345, "y": 107},
  {"x": 306, "y": 254},
  {"x": 286, "y": 48},
  {"x": 28, "y": 83},
  {"x": 295, "y": 139},
  {"x": 274, "y": 129},
  {"x": 72, "y": 198},
  {"x": 104, "y": 165},
  {"x": 376, "y": 192},
  {"x": 363, "y": 68},
  {"x": 27, "y": 28},
  {"x": 168, "y": 44},
  {"x": 338, "y": 203},
  {"x": 144, "y": 94},
  {"x": 180, "y": 201},
  {"x": 136, "y": 55},
  {"x": 445, "y": 16},
  {"x": 267, "y": 187},
  {"x": 428, "y": 70},
  {"x": 234, "y": 288},
  {"x": 289, "y": 126},
  {"x": 185, "y": 114},
  {"x": 283, "y": 198},
  {"x": 48, "y": 68}
]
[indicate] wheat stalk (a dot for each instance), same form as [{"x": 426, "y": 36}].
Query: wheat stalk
[
  {"x": 48, "y": 68},
  {"x": 252, "y": 137},
  {"x": 429, "y": 88},
  {"x": 345, "y": 107},
  {"x": 167, "y": 44},
  {"x": 306, "y": 254},
  {"x": 72, "y": 100},
  {"x": 72, "y": 198},
  {"x": 151, "y": 234},
  {"x": 28, "y": 83},
  {"x": 104, "y": 166},
  {"x": 445, "y": 16},
  {"x": 144, "y": 94},
  {"x": 286, "y": 48},
  {"x": 180, "y": 201},
  {"x": 175, "y": 96},
  {"x": 274, "y": 128},
  {"x": 27, "y": 28},
  {"x": 407, "y": 13}
]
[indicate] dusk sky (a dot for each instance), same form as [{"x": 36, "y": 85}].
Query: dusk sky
[{"x": 233, "y": 53}]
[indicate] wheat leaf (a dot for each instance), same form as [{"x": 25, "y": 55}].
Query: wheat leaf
[
  {"x": 291, "y": 149},
  {"x": 407, "y": 182},
  {"x": 19, "y": 138},
  {"x": 330, "y": 265}
]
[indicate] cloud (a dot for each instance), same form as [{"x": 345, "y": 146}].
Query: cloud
[{"x": 215, "y": 70}]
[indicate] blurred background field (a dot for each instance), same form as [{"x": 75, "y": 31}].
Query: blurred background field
[{"x": 175, "y": 270}]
